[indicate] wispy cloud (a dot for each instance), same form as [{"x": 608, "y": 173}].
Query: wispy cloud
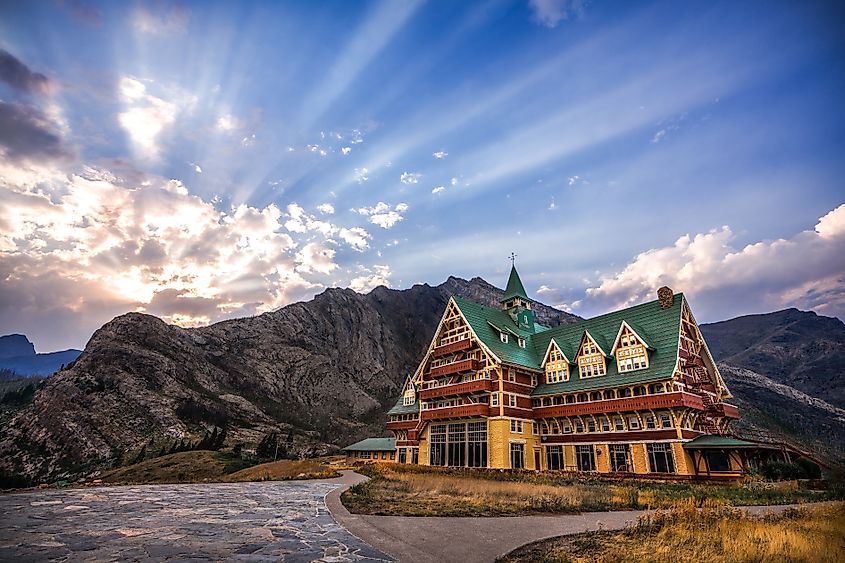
[
  {"x": 410, "y": 177},
  {"x": 551, "y": 12},
  {"x": 19, "y": 76},
  {"x": 383, "y": 215}
]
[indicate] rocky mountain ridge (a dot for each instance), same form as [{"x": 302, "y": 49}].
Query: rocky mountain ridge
[{"x": 17, "y": 355}]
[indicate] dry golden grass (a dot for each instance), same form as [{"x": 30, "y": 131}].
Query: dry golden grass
[
  {"x": 281, "y": 470},
  {"x": 414, "y": 491},
  {"x": 711, "y": 535}
]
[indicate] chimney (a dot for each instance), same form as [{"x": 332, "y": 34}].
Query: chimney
[{"x": 666, "y": 297}]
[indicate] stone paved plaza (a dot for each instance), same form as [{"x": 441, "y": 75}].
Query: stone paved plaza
[{"x": 269, "y": 521}]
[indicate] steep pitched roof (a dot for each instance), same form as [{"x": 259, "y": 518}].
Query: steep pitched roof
[
  {"x": 515, "y": 287},
  {"x": 661, "y": 325},
  {"x": 401, "y": 408},
  {"x": 372, "y": 445}
]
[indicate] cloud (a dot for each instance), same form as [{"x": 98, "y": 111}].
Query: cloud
[
  {"x": 248, "y": 141},
  {"x": 17, "y": 75},
  {"x": 440, "y": 154},
  {"x": 372, "y": 278},
  {"x": 346, "y": 150},
  {"x": 315, "y": 258},
  {"x": 552, "y": 205},
  {"x": 228, "y": 123},
  {"x": 438, "y": 189},
  {"x": 326, "y": 208},
  {"x": 356, "y": 237},
  {"x": 805, "y": 271},
  {"x": 27, "y": 134},
  {"x": 197, "y": 168},
  {"x": 410, "y": 177},
  {"x": 361, "y": 175},
  {"x": 146, "y": 116},
  {"x": 172, "y": 20},
  {"x": 383, "y": 215},
  {"x": 551, "y": 12},
  {"x": 83, "y": 247}
]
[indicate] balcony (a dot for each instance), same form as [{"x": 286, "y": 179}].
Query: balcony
[
  {"x": 455, "y": 367},
  {"x": 452, "y": 347},
  {"x": 644, "y": 402},
  {"x": 457, "y": 389},
  {"x": 402, "y": 424},
  {"x": 725, "y": 410},
  {"x": 463, "y": 411}
]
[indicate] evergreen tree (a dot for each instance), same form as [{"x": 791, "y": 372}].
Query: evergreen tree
[
  {"x": 142, "y": 453},
  {"x": 219, "y": 439}
]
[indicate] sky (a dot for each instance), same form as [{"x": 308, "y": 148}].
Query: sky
[{"x": 203, "y": 161}]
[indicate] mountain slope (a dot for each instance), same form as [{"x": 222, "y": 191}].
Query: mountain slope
[
  {"x": 17, "y": 354},
  {"x": 325, "y": 371},
  {"x": 786, "y": 370}
]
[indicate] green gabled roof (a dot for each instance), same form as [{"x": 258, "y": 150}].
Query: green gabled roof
[
  {"x": 660, "y": 326},
  {"x": 514, "y": 287},
  {"x": 483, "y": 319},
  {"x": 401, "y": 408},
  {"x": 372, "y": 445},
  {"x": 713, "y": 441},
  {"x": 642, "y": 333}
]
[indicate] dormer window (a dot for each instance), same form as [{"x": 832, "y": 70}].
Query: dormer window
[
  {"x": 503, "y": 336},
  {"x": 631, "y": 353},
  {"x": 409, "y": 397},
  {"x": 590, "y": 359},
  {"x": 521, "y": 342},
  {"x": 556, "y": 365}
]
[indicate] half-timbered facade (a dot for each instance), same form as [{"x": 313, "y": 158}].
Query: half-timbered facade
[{"x": 620, "y": 393}]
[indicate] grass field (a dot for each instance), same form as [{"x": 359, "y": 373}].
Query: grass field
[
  {"x": 714, "y": 534},
  {"x": 414, "y": 491},
  {"x": 203, "y": 466}
]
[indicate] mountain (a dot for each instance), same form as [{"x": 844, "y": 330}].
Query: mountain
[
  {"x": 323, "y": 371},
  {"x": 787, "y": 372},
  {"x": 17, "y": 354}
]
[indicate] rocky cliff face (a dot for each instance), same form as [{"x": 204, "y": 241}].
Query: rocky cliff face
[{"x": 325, "y": 371}]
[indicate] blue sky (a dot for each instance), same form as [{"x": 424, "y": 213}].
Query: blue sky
[{"x": 199, "y": 161}]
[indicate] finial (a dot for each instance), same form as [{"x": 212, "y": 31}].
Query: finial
[{"x": 512, "y": 258}]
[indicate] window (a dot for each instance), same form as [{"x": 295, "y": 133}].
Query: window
[
  {"x": 557, "y": 375},
  {"x": 620, "y": 457},
  {"x": 631, "y": 353},
  {"x": 457, "y": 438},
  {"x": 516, "y": 426},
  {"x": 618, "y": 424},
  {"x": 521, "y": 342},
  {"x": 511, "y": 375},
  {"x": 717, "y": 460},
  {"x": 590, "y": 359},
  {"x": 403, "y": 455},
  {"x": 591, "y": 426},
  {"x": 383, "y": 455},
  {"x": 533, "y": 379},
  {"x": 511, "y": 400},
  {"x": 494, "y": 399},
  {"x": 535, "y": 428},
  {"x": 649, "y": 422},
  {"x": 634, "y": 423},
  {"x": 503, "y": 337},
  {"x": 660, "y": 458},
  {"x": 665, "y": 421},
  {"x": 477, "y": 444},
  {"x": 554, "y": 457},
  {"x": 586, "y": 458},
  {"x": 409, "y": 397},
  {"x": 579, "y": 427},
  {"x": 517, "y": 456},
  {"x": 415, "y": 456},
  {"x": 605, "y": 425},
  {"x": 437, "y": 447}
]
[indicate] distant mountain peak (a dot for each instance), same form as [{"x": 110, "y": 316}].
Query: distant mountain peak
[{"x": 15, "y": 345}]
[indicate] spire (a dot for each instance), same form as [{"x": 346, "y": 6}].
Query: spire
[{"x": 515, "y": 287}]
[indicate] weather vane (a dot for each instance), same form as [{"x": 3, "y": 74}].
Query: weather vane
[{"x": 512, "y": 258}]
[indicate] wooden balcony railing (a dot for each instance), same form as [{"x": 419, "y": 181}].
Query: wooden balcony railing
[
  {"x": 452, "y": 347},
  {"x": 463, "y": 411},
  {"x": 644, "y": 402},
  {"x": 402, "y": 424},
  {"x": 455, "y": 367},
  {"x": 457, "y": 389}
]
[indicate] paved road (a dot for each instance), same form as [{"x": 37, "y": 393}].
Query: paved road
[
  {"x": 269, "y": 521},
  {"x": 475, "y": 540}
]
